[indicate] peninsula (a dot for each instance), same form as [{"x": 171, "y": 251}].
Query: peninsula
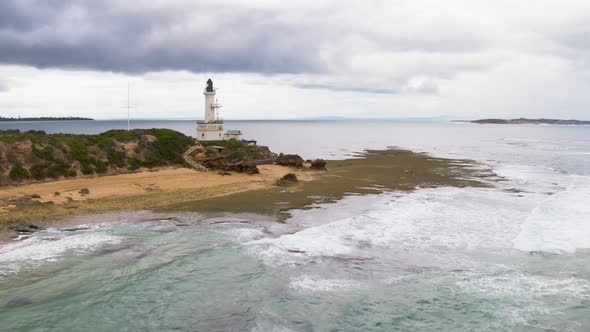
[
  {"x": 46, "y": 177},
  {"x": 529, "y": 121},
  {"x": 44, "y": 118}
]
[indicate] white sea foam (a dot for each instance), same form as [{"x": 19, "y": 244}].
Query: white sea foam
[
  {"x": 316, "y": 284},
  {"x": 561, "y": 222},
  {"x": 524, "y": 287},
  {"x": 39, "y": 249},
  {"x": 430, "y": 219},
  {"x": 244, "y": 234}
]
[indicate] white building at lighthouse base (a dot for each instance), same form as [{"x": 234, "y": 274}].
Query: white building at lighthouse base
[{"x": 210, "y": 131}]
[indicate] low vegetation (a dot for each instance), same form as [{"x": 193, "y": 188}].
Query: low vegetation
[{"x": 36, "y": 156}]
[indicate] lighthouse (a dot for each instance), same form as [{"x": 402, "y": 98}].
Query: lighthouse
[
  {"x": 211, "y": 128},
  {"x": 210, "y": 104}
]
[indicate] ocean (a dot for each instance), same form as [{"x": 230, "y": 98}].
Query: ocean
[{"x": 514, "y": 257}]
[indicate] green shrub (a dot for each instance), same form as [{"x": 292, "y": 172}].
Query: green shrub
[
  {"x": 18, "y": 172},
  {"x": 134, "y": 163},
  {"x": 53, "y": 170},
  {"x": 86, "y": 169},
  {"x": 38, "y": 171},
  {"x": 77, "y": 146},
  {"x": 58, "y": 169},
  {"x": 233, "y": 144},
  {"x": 122, "y": 135},
  {"x": 36, "y": 152},
  {"x": 237, "y": 156},
  {"x": 168, "y": 148},
  {"x": 116, "y": 158},
  {"x": 47, "y": 153},
  {"x": 100, "y": 166}
]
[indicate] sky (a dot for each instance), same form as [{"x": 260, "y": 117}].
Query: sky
[{"x": 270, "y": 59}]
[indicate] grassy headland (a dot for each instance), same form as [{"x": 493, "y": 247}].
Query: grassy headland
[{"x": 34, "y": 156}]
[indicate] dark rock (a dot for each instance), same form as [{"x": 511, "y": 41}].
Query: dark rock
[
  {"x": 214, "y": 163},
  {"x": 25, "y": 228},
  {"x": 289, "y": 160},
  {"x": 35, "y": 196},
  {"x": 244, "y": 167},
  {"x": 264, "y": 153},
  {"x": 19, "y": 301},
  {"x": 290, "y": 177},
  {"x": 318, "y": 164},
  {"x": 57, "y": 193},
  {"x": 287, "y": 179},
  {"x": 74, "y": 229},
  {"x": 223, "y": 173},
  {"x": 84, "y": 191}
]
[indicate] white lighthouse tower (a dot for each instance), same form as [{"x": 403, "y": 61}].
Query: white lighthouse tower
[{"x": 211, "y": 129}]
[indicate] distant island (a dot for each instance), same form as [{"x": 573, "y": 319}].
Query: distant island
[
  {"x": 529, "y": 121},
  {"x": 44, "y": 118}
]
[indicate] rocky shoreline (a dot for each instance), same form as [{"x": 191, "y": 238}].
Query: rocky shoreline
[{"x": 289, "y": 183}]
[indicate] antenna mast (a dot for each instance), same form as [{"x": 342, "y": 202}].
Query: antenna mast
[{"x": 128, "y": 105}]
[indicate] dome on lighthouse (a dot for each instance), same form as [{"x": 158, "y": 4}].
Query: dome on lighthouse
[{"x": 209, "y": 86}]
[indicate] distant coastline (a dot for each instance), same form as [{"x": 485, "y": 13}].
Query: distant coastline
[
  {"x": 528, "y": 121},
  {"x": 45, "y": 118}
]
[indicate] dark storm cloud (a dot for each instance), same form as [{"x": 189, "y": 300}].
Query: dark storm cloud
[{"x": 103, "y": 35}]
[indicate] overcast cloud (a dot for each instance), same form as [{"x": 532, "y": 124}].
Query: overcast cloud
[{"x": 360, "y": 58}]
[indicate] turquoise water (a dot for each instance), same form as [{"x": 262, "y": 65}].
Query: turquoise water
[{"x": 447, "y": 259}]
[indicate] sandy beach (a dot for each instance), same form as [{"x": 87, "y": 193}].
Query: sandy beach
[
  {"x": 136, "y": 189},
  {"x": 141, "y": 182}
]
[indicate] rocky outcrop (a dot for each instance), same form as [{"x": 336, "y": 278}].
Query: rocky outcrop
[
  {"x": 288, "y": 178},
  {"x": 289, "y": 160},
  {"x": 263, "y": 153},
  {"x": 243, "y": 167},
  {"x": 318, "y": 164}
]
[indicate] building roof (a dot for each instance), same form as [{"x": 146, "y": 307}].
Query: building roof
[{"x": 233, "y": 132}]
